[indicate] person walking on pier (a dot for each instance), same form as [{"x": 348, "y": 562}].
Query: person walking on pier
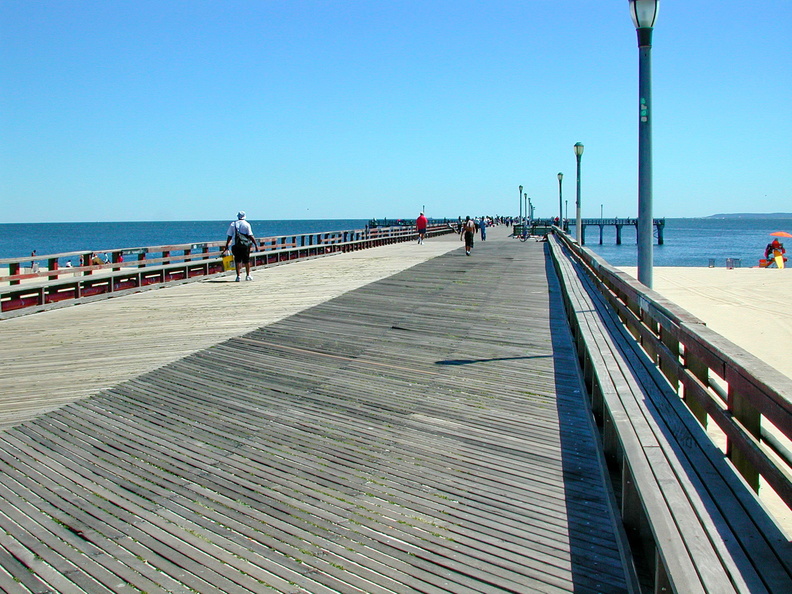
[
  {"x": 420, "y": 226},
  {"x": 467, "y": 233},
  {"x": 241, "y": 240}
]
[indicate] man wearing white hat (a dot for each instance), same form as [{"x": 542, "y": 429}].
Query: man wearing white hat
[{"x": 241, "y": 240}]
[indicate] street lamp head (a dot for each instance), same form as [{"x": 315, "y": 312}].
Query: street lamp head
[
  {"x": 644, "y": 13},
  {"x": 578, "y": 149},
  {"x": 520, "y": 190},
  {"x": 560, "y": 176}
]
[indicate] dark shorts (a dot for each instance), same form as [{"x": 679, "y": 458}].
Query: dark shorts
[
  {"x": 241, "y": 254},
  {"x": 469, "y": 238}
]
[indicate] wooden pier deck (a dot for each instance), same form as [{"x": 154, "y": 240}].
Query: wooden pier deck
[{"x": 426, "y": 432}]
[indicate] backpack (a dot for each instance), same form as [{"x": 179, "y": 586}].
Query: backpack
[{"x": 241, "y": 239}]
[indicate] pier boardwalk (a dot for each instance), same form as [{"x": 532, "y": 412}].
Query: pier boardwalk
[
  {"x": 426, "y": 432},
  {"x": 66, "y": 354}
]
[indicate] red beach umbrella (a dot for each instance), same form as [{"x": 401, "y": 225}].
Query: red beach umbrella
[{"x": 781, "y": 234}]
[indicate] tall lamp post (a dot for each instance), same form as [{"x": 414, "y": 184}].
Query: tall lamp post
[
  {"x": 560, "y": 202},
  {"x": 644, "y": 14},
  {"x": 578, "y": 225},
  {"x": 520, "y": 200},
  {"x": 527, "y": 212}
]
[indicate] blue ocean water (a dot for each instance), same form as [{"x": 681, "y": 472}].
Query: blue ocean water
[
  {"x": 688, "y": 242},
  {"x": 20, "y": 239},
  {"x": 694, "y": 242}
]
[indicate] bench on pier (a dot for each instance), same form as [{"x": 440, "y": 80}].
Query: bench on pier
[
  {"x": 534, "y": 229},
  {"x": 541, "y": 230},
  {"x": 692, "y": 522}
]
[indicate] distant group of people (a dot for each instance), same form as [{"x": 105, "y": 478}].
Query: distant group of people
[
  {"x": 467, "y": 229},
  {"x": 95, "y": 259}
]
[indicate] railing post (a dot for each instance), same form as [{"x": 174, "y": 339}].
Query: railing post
[
  {"x": 635, "y": 307},
  {"x": 86, "y": 261},
  {"x": 750, "y": 419},
  {"x": 701, "y": 371},
  {"x": 670, "y": 371},
  {"x": 650, "y": 323},
  {"x": 13, "y": 269},
  {"x": 52, "y": 264}
]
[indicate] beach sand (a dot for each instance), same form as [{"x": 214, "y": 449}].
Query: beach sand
[{"x": 752, "y": 307}]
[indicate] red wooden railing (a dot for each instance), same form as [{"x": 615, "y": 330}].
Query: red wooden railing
[{"x": 136, "y": 268}]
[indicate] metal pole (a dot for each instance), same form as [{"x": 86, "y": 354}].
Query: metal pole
[
  {"x": 560, "y": 203},
  {"x": 520, "y": 200},
  {"x": 578, "y": 224},
  {"x": 645, "y": 255}
]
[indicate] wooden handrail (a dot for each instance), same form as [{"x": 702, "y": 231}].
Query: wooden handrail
[
  {"x": 208, "y": 250},
  {"x": 691, "y": 355},
  {"x": 136, "y": 274}
]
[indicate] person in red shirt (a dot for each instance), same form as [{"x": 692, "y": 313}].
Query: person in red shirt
[{"x": 420, "y": 226}]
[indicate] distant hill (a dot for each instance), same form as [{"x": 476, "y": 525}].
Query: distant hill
[{"x": 752, "y": 215}]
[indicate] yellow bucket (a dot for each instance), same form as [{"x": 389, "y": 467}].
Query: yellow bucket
[{"x": 228, "y": 263}]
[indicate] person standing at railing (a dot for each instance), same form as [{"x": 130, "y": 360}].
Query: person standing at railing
[
  {"x": 420, "y": 225},
  {"x": 241, "y": 239}
]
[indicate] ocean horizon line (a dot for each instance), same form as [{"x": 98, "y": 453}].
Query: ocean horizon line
[{"x": 741, "y": 215}]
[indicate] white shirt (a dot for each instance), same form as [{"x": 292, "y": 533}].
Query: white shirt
[{"x": 239, "y": 226}]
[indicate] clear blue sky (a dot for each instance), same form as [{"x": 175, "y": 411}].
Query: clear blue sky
[{"x": 297, "y": 109}]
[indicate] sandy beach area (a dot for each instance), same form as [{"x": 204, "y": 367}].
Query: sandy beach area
[{"x": 752, "y": 307}]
